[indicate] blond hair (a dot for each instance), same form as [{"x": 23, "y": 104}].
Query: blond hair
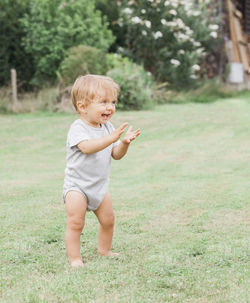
[{"x": 89, "y": 87}]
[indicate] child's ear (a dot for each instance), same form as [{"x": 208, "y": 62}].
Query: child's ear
[{"x": 82, "y": 108}]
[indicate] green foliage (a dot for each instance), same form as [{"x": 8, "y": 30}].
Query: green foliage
[
  {"x": 12, "y": 52},
  {"x": 209, "y": 91},
  {"x": 51, "y": 27},
  {"x": 117, "y": 61},
  {"x": 81, "y": 60},
  {"x": 136, "y": 86},
  {"x": 171, "y": 38},
  {"x": 110, "y": 9}
]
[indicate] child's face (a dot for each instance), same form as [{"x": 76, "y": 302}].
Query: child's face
[{"x": 100, "y": 110}]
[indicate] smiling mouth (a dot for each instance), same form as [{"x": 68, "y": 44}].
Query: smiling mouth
[{"x": 105, "y": 116}]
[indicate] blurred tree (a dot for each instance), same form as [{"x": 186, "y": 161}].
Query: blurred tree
[
  {"x": 110, "y": 9},
  {"x": 51, "y": 27},
  {"x": 12, "y": 52}
]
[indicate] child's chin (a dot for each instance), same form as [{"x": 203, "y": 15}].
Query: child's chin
[{"x": 105, "y": 120}]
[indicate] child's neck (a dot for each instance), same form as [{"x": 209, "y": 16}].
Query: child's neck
[{"x": 89, "y": 123}]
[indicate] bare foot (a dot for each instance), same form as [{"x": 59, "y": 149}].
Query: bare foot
[
  {"x": 109, "y": 254},
  {"x": 76, "y": 263}
]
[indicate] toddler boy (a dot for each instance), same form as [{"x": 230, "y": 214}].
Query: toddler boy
[{"x": 91, "y": 142}]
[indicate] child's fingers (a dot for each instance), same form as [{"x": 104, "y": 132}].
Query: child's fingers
[
  {"x": 123, "y": 126},
  {"x": 137, "y": 132}
]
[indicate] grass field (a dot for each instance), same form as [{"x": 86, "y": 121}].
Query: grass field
[{"x": 181, "y": 199}]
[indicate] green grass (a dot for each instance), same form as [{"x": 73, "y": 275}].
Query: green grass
[{"x": 181, "y": 199}]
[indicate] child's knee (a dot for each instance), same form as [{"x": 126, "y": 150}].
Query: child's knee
[
  {"x": 76, "y": 223},
  {"x": 108, "y": 222}
]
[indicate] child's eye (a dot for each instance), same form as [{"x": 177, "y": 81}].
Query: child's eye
[
  {"x": 103, "y": 101},
  {"x": 114, "y": 102}
]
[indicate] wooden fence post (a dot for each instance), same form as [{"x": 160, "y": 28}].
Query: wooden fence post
[{"x": 14, "y": 89}]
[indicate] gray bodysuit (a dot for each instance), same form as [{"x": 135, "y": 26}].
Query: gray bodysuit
[{"x": 88, "y": 173}]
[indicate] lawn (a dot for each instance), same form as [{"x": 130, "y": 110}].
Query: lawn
[{"x": 181, "y": 199}]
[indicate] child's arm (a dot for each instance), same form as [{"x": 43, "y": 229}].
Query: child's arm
[
  {"x": 95, "y": 145},
  {"x": 119, "y": 151}
]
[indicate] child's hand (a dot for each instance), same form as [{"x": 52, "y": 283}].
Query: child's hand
[
  {"x": 130, "y": 135},
  {"x": 116, "y": 134}
]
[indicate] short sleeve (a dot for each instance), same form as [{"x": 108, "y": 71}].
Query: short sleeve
[
  {"x": 111, "y": 129},
  {"x": 76, "y": 134}
]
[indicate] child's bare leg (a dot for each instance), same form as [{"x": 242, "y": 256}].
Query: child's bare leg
[
  {"x": 105, "y": 215},
  {"x": 76, "y": 206}
]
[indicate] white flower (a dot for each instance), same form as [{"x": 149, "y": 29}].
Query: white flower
[
  {"x": 195, "y": 67},
  {"x": 143, "y": 11},
  {"x": 200, "y": 50},
  {"x": 180, "y": 23},
  {"x": 174, "y": 4},
  {"x": 196, "y": 13},
  {"x": 189, "y": 32},
  {"x": 150, "y": 0},
  {"x": 175, "y": 62},
  {"x": 196, "y": 43},
  {"x": 214, "y": 34},
  {"x": 148, "y": 23},
  {"x": 163, "y": 21},
  {"x": 213, "y": 27},
  {"x": 127, "y": 10},
  {"x": 181, "y": 36},
  {"x": 172, "y": 23},
  {"x": 173, "y": 12},
  {"x": 166, "y": 3},
  {"x": 187, "y": 7},
  {"x": 144, "y": 33},
  {"x": 136, "y": 20},
  {"x": 181, "y": 51},
  {"x": 157, "y": 35},
  {"x": 193, "y": 77}
]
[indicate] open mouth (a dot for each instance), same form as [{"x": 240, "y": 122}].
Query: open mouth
[{"x": 105, "y": 116}]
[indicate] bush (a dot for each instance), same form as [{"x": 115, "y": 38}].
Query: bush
[
  {"x": 81, "y": 60},
  {"x": 12, "y": 52},
  {"x": 110, "y": 9},
  {"x": 209, "y": 91},
  {"x": 170, "y": 38},
  {"x": 136, "y": 86},
  {"x": 117, "y": 61},
  {"x": 52, "y": 27}
]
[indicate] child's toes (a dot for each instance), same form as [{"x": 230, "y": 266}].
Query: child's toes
[{"x": 76, "y": 263}]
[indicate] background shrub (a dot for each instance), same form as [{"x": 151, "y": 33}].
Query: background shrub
[
  {"x": 136, "y": 86},
  {"x": 12, "y": 52},
  {"x": 117, "y": 60},
  {"x": 209, "y": 91},
  {"x": 110, "y": 9},
  {"x": 51, "y": 27},
  {"x": 170, "y": 38},
  {"x": 81, "y": 60}
]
